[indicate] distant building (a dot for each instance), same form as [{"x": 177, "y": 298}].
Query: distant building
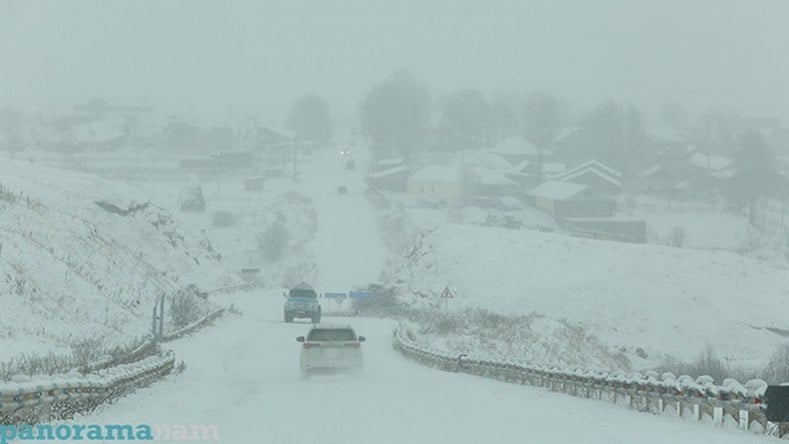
[
  {"x": 515, "y": 150},
  {"x": 439, "y": 184},
  {"x": 566, "y": 199},
  {"x": 594, "y": 174}
]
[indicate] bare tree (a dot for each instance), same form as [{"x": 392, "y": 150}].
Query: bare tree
[{"x": 395, "y": 115}]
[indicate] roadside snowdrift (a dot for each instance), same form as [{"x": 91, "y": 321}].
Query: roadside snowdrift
[
  {"x": 85, "y": 257},
  {"x": 663, "y": 300}
]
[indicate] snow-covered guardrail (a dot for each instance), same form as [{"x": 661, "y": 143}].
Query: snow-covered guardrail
[
  {"x": 232, "y": 288},
  {"x": 32, "y": 400},
  {"x": 193, "y": 326},
  {"x": 648, "y": 392}
]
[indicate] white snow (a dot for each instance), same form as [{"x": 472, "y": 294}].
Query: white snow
[
  {"x": 242, "y": 376},
  {"x": 515, "y": 145},
  {"x": 663, "y": 300},
  {"x": 711, "y": 162}
]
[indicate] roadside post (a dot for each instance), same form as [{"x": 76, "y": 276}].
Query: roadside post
[{"x": 446, "y": 295}]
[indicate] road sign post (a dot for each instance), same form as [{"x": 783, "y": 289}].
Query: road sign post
[{"x": 446, "y": 295}]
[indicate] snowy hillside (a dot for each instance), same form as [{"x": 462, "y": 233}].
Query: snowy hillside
[
  {"x": 666, "y": 301},
  {"x": 83, "y": 257}
]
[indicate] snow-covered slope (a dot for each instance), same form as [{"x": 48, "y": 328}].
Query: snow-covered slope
[
  {"x": 660, "y": 299},
  {"x": 71, "y": 268}
]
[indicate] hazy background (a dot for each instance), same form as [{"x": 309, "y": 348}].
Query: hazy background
[{"x": 214, "y": 57}]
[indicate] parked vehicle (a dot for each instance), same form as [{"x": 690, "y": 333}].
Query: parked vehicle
[
  {"x": 329, "y": 349},
  {"x": 302, "y": 302}
]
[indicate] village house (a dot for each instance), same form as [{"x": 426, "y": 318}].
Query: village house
[
  {"x": 567, "y": 199},
  {"x": 597, "y": 176},
  {"x": 437, "y": 184}
]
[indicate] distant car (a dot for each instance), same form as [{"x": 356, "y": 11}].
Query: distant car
[
  {"x": 330, "y": 349},
  {"x": 345, "y": 151},
  {"x": 302, "y": 302},
  {"x": 342, "y": 190}
]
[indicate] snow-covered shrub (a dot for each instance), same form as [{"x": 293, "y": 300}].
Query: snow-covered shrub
[
  {"x": 185, "y": 307},
  {"x": 192, "y": 200},
  {"x": 677, "y": 236},
  {"x": 382, "y": 302},
  {"x": 6, "y": 195},
  {"x": 273, "y": 242},
  {"x": 87, "y": 350},
  {"x": 223, "y": 219},
  {"x": 777, "y": 369}
]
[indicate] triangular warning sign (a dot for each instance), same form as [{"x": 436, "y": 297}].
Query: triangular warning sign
[{"x": 446, "y": 294}]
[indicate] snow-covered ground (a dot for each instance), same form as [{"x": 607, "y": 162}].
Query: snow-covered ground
[
  {"x": 72, "y": 270},
  {"x": 666, "y": 301}
]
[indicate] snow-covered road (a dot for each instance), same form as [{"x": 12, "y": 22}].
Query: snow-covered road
[
  {"x": 348, "y": 248},
  {"x": 243, "y": 376}
]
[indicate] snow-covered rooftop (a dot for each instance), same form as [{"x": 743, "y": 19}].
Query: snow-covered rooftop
[
  {"x": 389, "y": 171},
  {"x": 556, "y": 190},
  {"x": 710, "y": 161},
  {"x": 602, "y": 174},
  {"x": 489, "y": 176},
  {"x": 515, "y": 145},
  {"x": 480, "y": 158},
  {"x": 649, "y": 172},
  {"x": 437, "y": 174},
  {"x": 594, "y": 164}
]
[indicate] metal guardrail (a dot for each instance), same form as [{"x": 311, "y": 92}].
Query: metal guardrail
[
  {"x": 680, "y": 395},
  {"x": 231, "y": 288},
  {"x": 34, "y": 400},
  {"x": 29, "y": 400},
  {"x": 193, "y": 326}
]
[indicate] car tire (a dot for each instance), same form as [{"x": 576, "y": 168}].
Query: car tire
[
  {"x": 288, "y": 317},
  {"x": 305, "y": 375},
  {"x": 316, "y": 319}
]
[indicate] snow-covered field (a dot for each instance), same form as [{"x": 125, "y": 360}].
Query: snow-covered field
[{"x": 666, "y": 301}]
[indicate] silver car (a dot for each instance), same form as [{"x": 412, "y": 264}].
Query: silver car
[{"x": 329, "y": 349}]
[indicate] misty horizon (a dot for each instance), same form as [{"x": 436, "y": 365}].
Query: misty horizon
[{"x": 210, "y": 60}]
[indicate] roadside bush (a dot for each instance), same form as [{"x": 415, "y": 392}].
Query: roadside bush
[
  {"x": 192, "y": 200},
  {"x": 382, "y": 302},
  {"x": 223, "y": 219},
  {"x": 6, "y": 195},
  {"x": 87, "y": 350},
  {"x": 185, "y": 308},
  {"x": 678, "y": 235},
  {"x": 777, "y": 369}
]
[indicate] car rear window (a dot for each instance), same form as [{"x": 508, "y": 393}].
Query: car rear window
[
  {"x": 302, "y": 294},
  {"x": 333, "y": 334}
]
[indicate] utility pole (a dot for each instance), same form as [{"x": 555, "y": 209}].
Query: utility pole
[{"x": 295, "y": 157}]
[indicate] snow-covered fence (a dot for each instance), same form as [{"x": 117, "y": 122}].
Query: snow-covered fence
[
  {"x": 34, "y": 400},
  {"x": 700, "y": 398}
]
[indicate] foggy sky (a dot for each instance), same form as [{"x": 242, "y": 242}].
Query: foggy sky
[{"x": 210, "y": 57}]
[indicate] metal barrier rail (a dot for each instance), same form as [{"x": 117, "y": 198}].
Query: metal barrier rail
[
  {"x": 60, "y": 397},
  {"x": 744, "y": 404},
  {"x": 193, "y": 326},
  {"x": 231, "y": 288}
]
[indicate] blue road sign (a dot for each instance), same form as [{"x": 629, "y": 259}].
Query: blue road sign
[{"x": 359, "y": 295}]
